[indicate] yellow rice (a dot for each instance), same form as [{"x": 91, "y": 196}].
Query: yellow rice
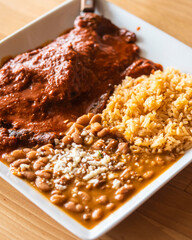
[{"x": 153, "y": 113}]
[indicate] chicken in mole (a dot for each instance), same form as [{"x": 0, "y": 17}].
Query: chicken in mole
[{"x": 73, "y": 75}]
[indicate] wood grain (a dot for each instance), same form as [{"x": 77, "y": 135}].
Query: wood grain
[{"x": 165, "y": 216}]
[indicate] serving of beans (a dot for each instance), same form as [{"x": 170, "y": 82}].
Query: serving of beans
[{"x": 102, "y": 175}]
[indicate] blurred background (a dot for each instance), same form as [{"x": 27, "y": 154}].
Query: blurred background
[{"x": 171, "y": 16}]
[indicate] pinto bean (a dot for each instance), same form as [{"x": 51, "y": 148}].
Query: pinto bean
[
  {"x": 74, "y": 127},
  {"x": 78, "y": 127},
  {"x": 80, "y": 184},
  {"x": 88, "y": 140},
  {"x": 84, "y": 196},
  {"x": 96, "y": 118},
  {"x": 97, "y": 214},
  {"x": 42, "y": 184},
  {"x": 120, "y": 197},
  {"x": 83, "y": 120},
  {"x": 86, "y": 216},
  {"x": 103, "y": 132},
  {"x": 18, "y": 162},
  {"x": 58, "y": 199},
  {"x": 18, "y": 154},
  {"x": 41, "y": 162},
  {"x": 123, "y": 147},
  {"x": 125, "y": 189},
  {"x": 102, "y": 200},
  {"x": 169, "y": 158},
  {"x": 110, "y": 206},
  {"x": 55, "y": 191},
  {"x": 43, "y": 174},
  {"x": 99, "y": 144},
  {"x": 8, "y": 158},
  {"x": 46, "y": 149},
  {"x": 29, "y": 175},
  {"x": 32, "y": 155},
  {"x": 73, "y": 207},
  {"x": 79, "y": 208},
  {"x": 95, "y": 127},
  {"x": 90, "y": 115},
  {"x": 26, "y": 150},
  {"x": 148, "y": 174},
  {"x": 67, "y": 140},
  {"x": 76, "y": 136},
  {"x": 159, "y": 160},
  {"x": 112, "y": 144}
]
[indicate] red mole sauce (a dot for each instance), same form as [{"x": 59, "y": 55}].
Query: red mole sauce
[{"x": 41, "y": 89}]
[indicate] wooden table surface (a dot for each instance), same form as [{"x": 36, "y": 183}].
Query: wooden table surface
[{"x": 165, "y": 216}]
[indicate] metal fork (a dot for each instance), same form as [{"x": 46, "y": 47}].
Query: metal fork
[{"x": 87, "y": 5}]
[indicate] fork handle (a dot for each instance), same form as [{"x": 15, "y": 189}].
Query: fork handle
[{"x": 87, "y": 5}]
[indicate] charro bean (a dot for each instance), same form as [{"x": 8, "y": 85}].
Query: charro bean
[
  {"x": 102, "y": 200},
  {"x": 76, "y": 136},
  {"x": 159, "y": 160},
  {"x": 125, "y": 189},
  {"x": 55, "y": 191},
  {"x": 123, "y": 147},
  {"x": 148, "y": 174},
  {"x": 8, "y": 158},
  {"x": 80, "y": 184},
  {"x": 29, "y": 175},
  {"x": 88, "y": 140},
  {"x": 41, "y": 162},
  {"x": 90, "y": 115},
  {"x": 42, "y": 184},
  {"x": 43, "y": 174},
  {"x": 97, "y": 214},
  {"x": 110, "y": 206},
  {"x": 120, "y": 197},
  {"x": 78, "y": 126},
  {"x": 99, "y": 144},
  {"x": 58, "y": 199},
  {"x": 67, "y": 140},
  {"x": 74, "y": 127},
  {"x": 112, "y": 145},
  {"x": 95, "y": 127},
  {"x": 32, "y": 155},
  {"x": 96, "y": 118},
  {"x": 86, "y": 216},
  {"x": 18, "y": 162},
  {"x": 84, "y": 196},
  {"x": 169, "y": 158},
  {"x": 18, "y": 154},
  {"x": 103, "y": 132},
  {"x": 83, "y": 120},
  {"x": 26, "y": 150},
  {"x": 79, "y": 208},
  {"x": 46, "y": 149},
  {"x": 73, "y": 207}
]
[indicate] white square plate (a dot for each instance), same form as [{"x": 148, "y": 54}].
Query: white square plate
[{"x": 155, "y": 45}]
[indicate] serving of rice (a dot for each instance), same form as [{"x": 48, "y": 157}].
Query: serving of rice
[{"x": 153, "y": 113}]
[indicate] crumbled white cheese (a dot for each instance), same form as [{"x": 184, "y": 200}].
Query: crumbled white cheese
[
  {"x": 94, "y": 173},
  {"x": 23, "y": 167},
  {"x": 60, "y": 187},
  {"x": 116, "y": 183},
  {"x": 112, "y": 176}
]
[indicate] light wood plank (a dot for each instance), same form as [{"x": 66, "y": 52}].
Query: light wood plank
[{"x": 168, "y": 214}]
